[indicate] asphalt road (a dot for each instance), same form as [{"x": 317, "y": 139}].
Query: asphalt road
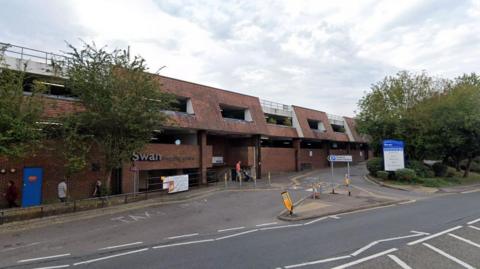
[{"x": 225, "y": 232}]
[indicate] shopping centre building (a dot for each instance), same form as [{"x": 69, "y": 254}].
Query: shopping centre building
[{"x": 208, "y": 132}]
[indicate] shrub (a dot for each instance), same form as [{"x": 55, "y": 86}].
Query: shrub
[
  {"x": 405, "y": 174},
  {"x": 420, "y": 168},
  {"x": 451, "y": 172},
  {"x": 434, "y": 182},
  {"x": 382, "y": 174},
  {"x": 374, "y": 165},
  {"x": 440, "y": 169}
]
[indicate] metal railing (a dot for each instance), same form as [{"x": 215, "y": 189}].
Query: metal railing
[
  {"x": 275, "y": 105},
  {"x": 24, "y": 53}
]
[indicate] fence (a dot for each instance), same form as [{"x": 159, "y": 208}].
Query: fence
[{"x": 24, "y": 53}]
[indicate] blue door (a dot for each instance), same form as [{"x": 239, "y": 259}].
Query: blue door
[{"x": 32, "y": 186}]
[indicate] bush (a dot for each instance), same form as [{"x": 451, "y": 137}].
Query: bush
[
  {"x": 374, "y": 165},
  {"x": 434, "y": 182},
  {"x": 405, "y": 174},
  {"x": 440, "y": 169},
  {"x": 382, "y": 174},
  {"x": 451, "y": 172},
  {"x": 420, "y": 169}
]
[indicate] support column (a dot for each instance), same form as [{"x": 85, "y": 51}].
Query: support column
[
  {"x": 296, "y": 146},
  {"x": 202, "y": 142},
  {"x": 348, "y": 148},
  {"x": 258, "y": 150}
]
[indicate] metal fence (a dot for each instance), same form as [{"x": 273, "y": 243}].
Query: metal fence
[
  {"x": 275, "y": 105},
  {"x": 24, "y": 53}
]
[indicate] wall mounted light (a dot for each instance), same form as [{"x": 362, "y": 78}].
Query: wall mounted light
[
  {"x": 3, "y": 171},
  {"x": 13, "y": 170}
]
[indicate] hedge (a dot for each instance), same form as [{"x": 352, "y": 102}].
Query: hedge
[
  {"x": 382, "y": 174},
  {"x": 405, "y": 174},
  {"x": 374, "y": 165}
]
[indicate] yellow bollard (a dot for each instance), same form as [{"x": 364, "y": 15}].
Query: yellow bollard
[
  {"x": 347, "y": 184},
  {"x": 269, "y": 181}
]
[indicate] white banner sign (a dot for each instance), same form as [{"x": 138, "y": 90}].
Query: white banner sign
[
  {"x": 176, "y": 183},
  {"x": 393, "y": 155},
  {"x": 340, "y": 158}
]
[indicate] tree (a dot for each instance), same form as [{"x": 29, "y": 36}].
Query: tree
[
  {"x": 20, "y": 113},
  {"x": 122, "y": 105},
  {"x": 384, "y": 111}
]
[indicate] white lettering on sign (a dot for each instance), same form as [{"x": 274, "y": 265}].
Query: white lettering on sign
[
  {"x": 340, "y": 158},
  {"x": 152, "y": 157}
]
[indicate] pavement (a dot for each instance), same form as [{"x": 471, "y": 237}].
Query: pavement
[{"x": 240, "y": 229}]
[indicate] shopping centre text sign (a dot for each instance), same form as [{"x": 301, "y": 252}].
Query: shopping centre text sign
[
  {"x": 393, "y": 155},
  {"x": 340, "y": 158}
]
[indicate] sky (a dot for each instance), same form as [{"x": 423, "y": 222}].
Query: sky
[{"x": 318, "y": 54}]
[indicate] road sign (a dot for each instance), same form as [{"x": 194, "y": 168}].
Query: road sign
[
  {"x": 287, "y": 201},
  {"x": 393, "y": 155},
  {"x": 340, "y": 158}
]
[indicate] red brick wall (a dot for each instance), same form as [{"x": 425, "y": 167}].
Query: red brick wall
[
  {"x": 317, "y": 160},
  {"x": 50, "y": 158},
  {"x": 304, "y": 114},
  {"x": 276, "y": 160}
]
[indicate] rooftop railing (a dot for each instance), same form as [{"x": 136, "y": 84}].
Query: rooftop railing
[
  {"x": 24, "y": 53},
  {"x": 275, "y": 105}
]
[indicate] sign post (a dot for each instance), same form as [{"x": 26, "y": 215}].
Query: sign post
[
  {"x": 339, "y": 158},
  {"x": 393, "y": 156}
]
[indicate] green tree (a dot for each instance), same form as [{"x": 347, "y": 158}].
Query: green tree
[
  {"x": 20, "y": 113},
  {"x": 122, "y": 106},
  {"x": 384, "y": 112}
]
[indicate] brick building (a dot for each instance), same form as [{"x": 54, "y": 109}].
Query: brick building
[{"x": 209, "y": 131}]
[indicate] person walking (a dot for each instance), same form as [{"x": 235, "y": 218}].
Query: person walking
[
  {"x": 11, "y": 195},
  {"x": 98, "y": 189},
  {"x": 62, "y": 191},
  {"x": 238, "y": 169}
]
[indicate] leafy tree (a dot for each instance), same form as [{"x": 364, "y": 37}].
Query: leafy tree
[
  {"x": 384, "y": 111},
  {"x": 122, "y": 106},
  {"x": 20, "y": 131}
]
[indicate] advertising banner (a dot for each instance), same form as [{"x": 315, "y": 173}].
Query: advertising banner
[
  {"x": 393, "y": 156},
  {"x": 176, "y": 183}
]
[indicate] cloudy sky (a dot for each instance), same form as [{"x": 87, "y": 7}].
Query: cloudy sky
[{"x": 318, "y": 54}]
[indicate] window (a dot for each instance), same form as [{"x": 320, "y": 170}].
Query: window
[
  {"x": 184, "y": 105},
  {"x": 316, "y": 125},
  {"x": 236, "y": 113},
  {"x": 278, "y": 120},
  {"x": 338, "y": 128}
]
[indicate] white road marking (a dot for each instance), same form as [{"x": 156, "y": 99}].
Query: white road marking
[
  {"x": 399, "y": 262},
  {"x": 365, "y": 259},
  {"x": 266, "y": 224},
  {"x": 315, "y": 220},
  {"x": 465, "y": 240},
  {"x": 111, "y": 256},
  {"x": 237, "y": 234},
  {"x": 474, "y": 227},
  {"x": 45, "y": 258},
  {"x": 417, "y": 232},
  {"x": 54, "y": 267},
  {"x": 279, "y": 227},
  {"x": 448, "y": 256},
  {"x": 334, "y": 217},
  {"x": 182, "y": 236},
  {"x": 231, "y": 229},
  {"x": 184, "y": 243},
  {"x": 366, "y": 209},
  {"x": 121, "y": 246},
  {"x": 386, "y": 240},
  {"x": 470, "y": 191},
  {"x": 407, "y": 202},
  {"x": 473, "y": 221},
  {"x": 433, "y": 236},
  {"x": 317, "y": 262}
]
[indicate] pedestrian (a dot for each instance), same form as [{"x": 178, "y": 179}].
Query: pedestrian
[
  {"x": 62, "y": 191},
  {"x": 11, "y": 195},
  {"x": 98, "y": 189},
  {"x": 238, "y": 169}
]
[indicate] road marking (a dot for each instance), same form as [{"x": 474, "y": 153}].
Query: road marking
[
  {"x": 111, "y": 256},
  {"x": 465, "y": 240},
  {"x": 386, "y": 240},
  {"x": 45, "y": 258},
  {"x": 365, "y": 259},
  {"x": 474, "y": 227},
  {"x": 317, "y": 262},
  {"x": 231, "y": 229},
  {"x": 334, "y": 217},
  {"x": 54, "y": 267},
  {"x": 279, "y": 227},
  {"x": 315, "y": 220},
  {"x": 399, "y": 262},
  {"x": 446, "y": 255},
  {"x": 29, "y": 245},
  {"x": 266, "y": 224},
  {"x": 417, "y": 232},
  {"x": 433, "y": 236},
  {"x": 367, "y": 209},
  {"x": 237, "y": 234},
  {"x": 473, "y": 221},
  {"x": 407, "y": 202},
  {"x": 184, "y": 243},
  {"x": 121, "y": 246},
  {"x": 182, "y": 236},
  {"x": 470, "y": 191}
]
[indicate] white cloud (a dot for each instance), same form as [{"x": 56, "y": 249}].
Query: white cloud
[{"x": 322, "y": 55}]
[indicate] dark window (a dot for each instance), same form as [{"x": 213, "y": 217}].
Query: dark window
[
  {"x": 313, "y": 124},
  {"x": 338, "y": 128},
  {"x": 278, "y": 120},
  {"x": 180, "y": 105},
  {"x": 229, "y": 112}
]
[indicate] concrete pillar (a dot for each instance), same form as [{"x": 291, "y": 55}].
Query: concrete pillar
[
  {"x": 202, "y": 142},
  {"x": 296, "y": 146},
  {"x": 258, "y": 150}
]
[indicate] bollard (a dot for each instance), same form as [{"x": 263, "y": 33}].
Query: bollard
[
  {"x": 126, "y": 197},
  {"x": 74, "y": 205},
  {"x": 1, "y": 218},
  {"x": 240, "y": 179},
  {"x": 41, "y": 211},
  {"x": 226, "y": 183},
  {"x": 269, "y": 179},
  {"x": 255, "y": 181},
  {"x": 314, "y": 191}
]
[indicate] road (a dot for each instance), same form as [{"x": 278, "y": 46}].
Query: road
[{"x": 240, "y": 230}]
